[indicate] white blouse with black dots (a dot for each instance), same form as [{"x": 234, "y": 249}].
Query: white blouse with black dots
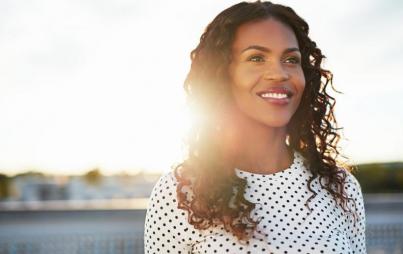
[{"x": 286, "y": 225}]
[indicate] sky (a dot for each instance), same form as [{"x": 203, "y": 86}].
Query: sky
[{"x": 99, "y": 83}]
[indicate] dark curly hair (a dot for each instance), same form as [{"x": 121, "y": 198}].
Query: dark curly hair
[{"x": 216, "y": 192}]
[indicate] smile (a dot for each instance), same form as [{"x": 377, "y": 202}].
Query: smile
[
  {"x": 276, "y": 98},
  {"x": 274, "y": 95}
]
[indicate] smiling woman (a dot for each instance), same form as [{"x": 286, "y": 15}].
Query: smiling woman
[{"x": 262, "y": 174}]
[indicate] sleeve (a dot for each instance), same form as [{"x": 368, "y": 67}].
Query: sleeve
[
  {"x": 356, "y": 231},
  {"x": 166, "y": 227}
]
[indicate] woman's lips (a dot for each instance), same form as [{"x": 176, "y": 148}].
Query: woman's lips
[{"x": 277, "y": 96}]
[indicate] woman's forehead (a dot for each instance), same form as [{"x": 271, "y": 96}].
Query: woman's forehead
[{"x": 268, "y": 33}]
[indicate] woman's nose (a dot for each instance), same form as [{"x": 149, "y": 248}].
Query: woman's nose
[{"x": 277, "y": 72}]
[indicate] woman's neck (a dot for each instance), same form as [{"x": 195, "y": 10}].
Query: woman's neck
[{"x": 254, "y": 147}]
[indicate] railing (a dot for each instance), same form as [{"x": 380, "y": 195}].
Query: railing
[
  {"x": 385, "y": 239},
  {"x": 113, "y": 231},
  {"x": 80, "y": 244},
  {"x": 384, "y": 227}
]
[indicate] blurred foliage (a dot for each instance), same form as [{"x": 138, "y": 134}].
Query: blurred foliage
[
  {"x": 93, "y": 177},
  {"x": 4, "y": 186},
  {"x": 380, "y": 177},
  {"x": 31, "y": 173}
]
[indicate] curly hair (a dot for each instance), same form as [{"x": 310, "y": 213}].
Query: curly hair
[{"x": 216, "y": 192}]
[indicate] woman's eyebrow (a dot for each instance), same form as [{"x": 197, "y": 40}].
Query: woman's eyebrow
[{"x": 267, "y": 50}]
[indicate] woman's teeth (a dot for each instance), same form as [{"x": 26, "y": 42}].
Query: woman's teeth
[{"x": 274, "y": 95}]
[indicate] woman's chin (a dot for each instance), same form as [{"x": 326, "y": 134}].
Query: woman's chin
[{"x": 276, "y": 123}]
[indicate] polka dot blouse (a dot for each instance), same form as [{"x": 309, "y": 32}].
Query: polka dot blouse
[{"x": 286, "y": 225}]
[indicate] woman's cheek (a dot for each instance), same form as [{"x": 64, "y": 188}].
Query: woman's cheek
[{"x": 250, "y": 77}]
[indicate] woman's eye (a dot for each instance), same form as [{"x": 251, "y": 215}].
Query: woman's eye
[
  {"x": 256, "y": 59},
  {"x": 293, "y": 60}
]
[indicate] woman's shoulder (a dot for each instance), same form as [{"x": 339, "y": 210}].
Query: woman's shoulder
[
  {"x": 352, "y": 185},
  {"x": 166, "y": 185},
  {"x": 353, "y": 191},
  {"x": 357, "y": 220},
  {"x": 166, "y": 226},
  {"x": 167, "y": 179},
  {"x": 163, "y": 199}
]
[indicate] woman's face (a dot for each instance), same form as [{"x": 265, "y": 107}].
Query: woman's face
[{"x": 266, "y": 76}]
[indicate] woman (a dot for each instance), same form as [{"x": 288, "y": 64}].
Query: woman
[{"x": 261, "y": 173}]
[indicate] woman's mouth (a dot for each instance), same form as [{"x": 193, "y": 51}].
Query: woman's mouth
[{"x": 277, "y": 98}]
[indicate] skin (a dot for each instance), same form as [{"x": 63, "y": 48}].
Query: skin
[{"x": 256, "y": 140}]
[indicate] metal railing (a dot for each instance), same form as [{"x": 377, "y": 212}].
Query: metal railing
[{"x": 77, "y": 244}]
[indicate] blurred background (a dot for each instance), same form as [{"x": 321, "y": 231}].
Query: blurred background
[{"x": 93, "y": 111}]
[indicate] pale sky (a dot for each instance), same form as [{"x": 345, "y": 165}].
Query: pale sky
[{"x": 91, "y": 83}]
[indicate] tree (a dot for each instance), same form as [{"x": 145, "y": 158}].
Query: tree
[
  {"x": 93, "y": 177},
  {"x": 4, "y": 186}
]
